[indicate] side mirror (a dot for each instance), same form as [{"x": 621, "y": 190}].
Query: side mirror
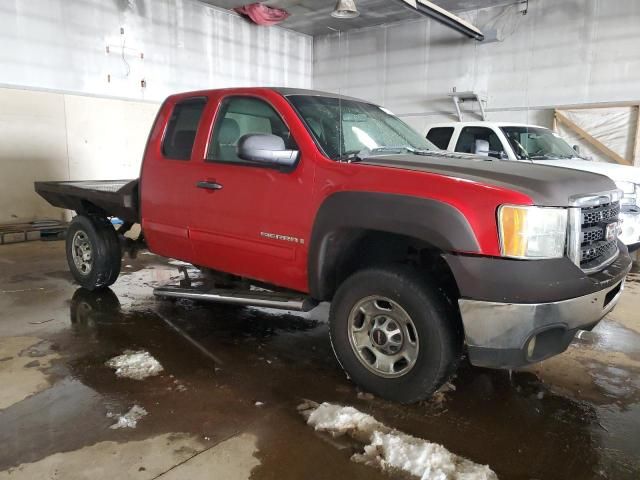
[
  {"x": 266, "y": 149},
  {"x": 501, "y": 155}
]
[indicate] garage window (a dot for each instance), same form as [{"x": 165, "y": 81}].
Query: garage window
[
  {"x": 182, "y": 129},
  {"x": 440, "y": 136},
  {"x": 241, "y": 116}
]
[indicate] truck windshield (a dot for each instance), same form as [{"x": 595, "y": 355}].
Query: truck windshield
[
  {"x": 532, "y": 143},
  {"x": 345, "y": 128}
]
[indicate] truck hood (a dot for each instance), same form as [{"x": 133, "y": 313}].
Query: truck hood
[
  {"x": 617, "y": 173},
  {"x": 545, "y": 185}
]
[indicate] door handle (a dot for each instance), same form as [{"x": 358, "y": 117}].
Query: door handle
[{"x": 209, "y": 185}]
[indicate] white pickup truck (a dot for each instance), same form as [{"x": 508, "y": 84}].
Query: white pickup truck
[{"x": 530, "y": 143}]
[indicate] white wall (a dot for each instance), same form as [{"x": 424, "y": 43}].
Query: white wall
[
  {"x": 187, "y": 45},
  {"x": 562, "y": 53},
  {"x": 60, "y": 116}
]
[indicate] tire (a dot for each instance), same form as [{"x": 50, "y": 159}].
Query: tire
[
  {"x": 93, "y": 252},
  {"x": 433, "y": 340}
]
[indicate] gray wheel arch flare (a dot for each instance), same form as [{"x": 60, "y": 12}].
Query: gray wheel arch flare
[{"x": 428, "y": 220}]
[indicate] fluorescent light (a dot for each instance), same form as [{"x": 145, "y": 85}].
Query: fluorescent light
[{"x": 431, "y": 10}]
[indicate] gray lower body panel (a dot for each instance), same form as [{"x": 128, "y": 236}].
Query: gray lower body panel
[{"x": 501, "y": 334}]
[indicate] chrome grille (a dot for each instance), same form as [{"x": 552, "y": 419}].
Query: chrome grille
[
  {"x": 592, "y": 234},
  {"x": 604, "y": 213},
  {"x": 595, "y": 249}
]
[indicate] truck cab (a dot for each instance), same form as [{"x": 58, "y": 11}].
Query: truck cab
[{"x": 531, "y": 143}]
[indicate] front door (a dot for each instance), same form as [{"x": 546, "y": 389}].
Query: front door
[{"x": 247, "y": 219}]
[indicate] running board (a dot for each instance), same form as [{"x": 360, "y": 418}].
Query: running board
[{"x": 282, "y": 301}]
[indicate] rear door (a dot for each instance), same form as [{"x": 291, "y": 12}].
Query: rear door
[
  {"x": 166, "y": 178},
  {"x": 250, "y": 220}
]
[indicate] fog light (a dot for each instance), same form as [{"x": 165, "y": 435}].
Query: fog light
[{"x": 531, "y": 347}]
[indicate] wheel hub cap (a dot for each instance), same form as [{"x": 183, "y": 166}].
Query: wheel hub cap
[
  {"x": 81, "y": 252},
  {"x": 383, "y": 336},
  {"x": 378, "y": 337}
]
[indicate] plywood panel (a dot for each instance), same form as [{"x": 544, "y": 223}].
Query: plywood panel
[
  {"x": 106, "y": 138},
  {"x": 32, "y": 147}
]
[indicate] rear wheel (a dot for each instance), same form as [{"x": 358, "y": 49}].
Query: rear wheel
[
  {"x": 93, "y": 252},
  {"x": 394, "y": 333}
]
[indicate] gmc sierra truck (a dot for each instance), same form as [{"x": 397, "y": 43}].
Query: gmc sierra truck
[{"x": 291, "y": 197}]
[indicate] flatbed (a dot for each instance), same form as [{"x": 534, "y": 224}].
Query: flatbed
[{"x": 112, "y": 198}]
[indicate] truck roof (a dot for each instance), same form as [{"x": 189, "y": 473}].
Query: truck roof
[
  {"x": 284, "y": 91},
  {"x": 480, "y": 123}
]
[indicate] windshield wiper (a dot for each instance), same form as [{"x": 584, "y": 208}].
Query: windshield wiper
[
  {"x": 550, "y": 157},
  {"x": 371, "y": 152},
  {"x": 353, "y": 156}
]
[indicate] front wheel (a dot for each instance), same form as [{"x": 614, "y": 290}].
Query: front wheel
[
  {"x": 394, "y": 333},
  {"x": 93, "y": 252}
]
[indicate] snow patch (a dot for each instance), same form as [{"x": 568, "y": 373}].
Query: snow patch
[
  {"x": 137, "y": 365},
  {"x": 390, "y": 449},
  {"x": 129, "y": 419}
]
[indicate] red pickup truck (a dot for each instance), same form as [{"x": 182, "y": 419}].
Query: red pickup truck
[{"x": 311, "y": 197}]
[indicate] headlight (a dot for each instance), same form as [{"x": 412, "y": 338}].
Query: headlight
[
  {"x": 631, "y": 193},
  {"x": 626, "y": 187},
  {"x": 532, "y": 232}
]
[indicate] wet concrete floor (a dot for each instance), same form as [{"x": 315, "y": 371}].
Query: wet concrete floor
[{"x": 574, "y": 416}]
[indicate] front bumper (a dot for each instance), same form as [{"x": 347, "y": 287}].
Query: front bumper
[
  {"x": 508, "y": 335},
  {"x": 512, "y": 318}
]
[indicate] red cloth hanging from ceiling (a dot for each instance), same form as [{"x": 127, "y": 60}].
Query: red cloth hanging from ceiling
[{"x": 263, "y": 14}]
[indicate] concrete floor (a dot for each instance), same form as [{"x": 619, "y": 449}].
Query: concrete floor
[{"x": 574, "y": 416}]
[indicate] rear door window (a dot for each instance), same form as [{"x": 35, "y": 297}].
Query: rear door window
[
  {"x": 440, "y": 136},
  {"x": 182, "y": 128}
]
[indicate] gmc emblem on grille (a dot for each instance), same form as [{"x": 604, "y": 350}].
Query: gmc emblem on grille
[{"x": 612, "y": 231}]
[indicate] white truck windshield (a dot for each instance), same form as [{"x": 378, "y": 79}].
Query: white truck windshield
[{"x": 532, "y": 143}]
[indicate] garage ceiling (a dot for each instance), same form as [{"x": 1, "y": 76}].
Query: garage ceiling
[{"x": 313, "y": 17}]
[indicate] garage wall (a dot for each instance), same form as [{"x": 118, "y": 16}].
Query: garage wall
[
  {"x": 174, "y": 45},
  {"x": 56, "y": 136},
  {"x": 70, "y": 110},
  {"x": 562, "y": 53}
]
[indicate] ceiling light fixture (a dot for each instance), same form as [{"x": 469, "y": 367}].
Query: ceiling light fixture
[
  {"x": 345, "y": 9},
  {"x": 429, "y": 9}
]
